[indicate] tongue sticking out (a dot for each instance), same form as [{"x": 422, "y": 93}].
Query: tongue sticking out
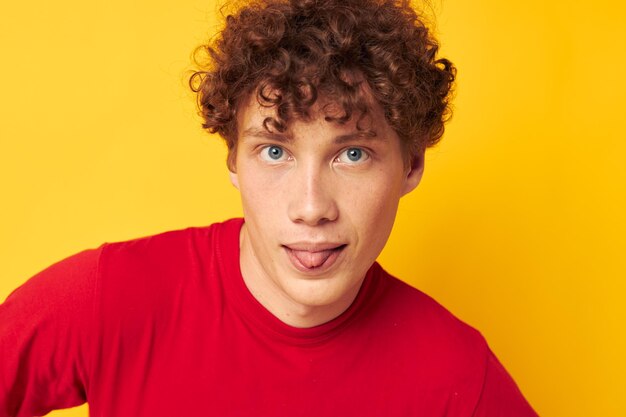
[{"x": 312, "y": 259}]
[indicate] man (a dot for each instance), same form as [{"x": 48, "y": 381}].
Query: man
[{"x": 327, "y": 108}]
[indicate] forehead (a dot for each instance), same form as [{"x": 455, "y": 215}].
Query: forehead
[{"x": 257, "y": 117}]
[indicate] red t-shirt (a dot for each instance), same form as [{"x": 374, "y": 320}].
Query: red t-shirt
[{"x": 165, "y": 326}]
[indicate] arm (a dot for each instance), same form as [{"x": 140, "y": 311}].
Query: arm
[{"x": 45, "y": 341}]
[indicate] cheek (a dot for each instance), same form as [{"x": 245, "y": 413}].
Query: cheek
[
  {"x": 260, "y": 196},
  {"x": 372, "y": 205},
  {"x": 256, "y": 202}
]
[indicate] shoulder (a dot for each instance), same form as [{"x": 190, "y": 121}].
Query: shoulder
[
  {"x": 148, "y": 270},
  {"x": 173, "y": 241},
  {"x": 418, "y": 308},
  {"x": 167, "y": 250},
  {"x": 429, "y": 327}
]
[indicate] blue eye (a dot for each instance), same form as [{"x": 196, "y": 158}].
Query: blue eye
[
  {"x": 353, "y": 155},
  {"x": 272, "y": 153}
]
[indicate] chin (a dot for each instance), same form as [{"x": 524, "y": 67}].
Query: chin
[{"x": 317, "y": 293}]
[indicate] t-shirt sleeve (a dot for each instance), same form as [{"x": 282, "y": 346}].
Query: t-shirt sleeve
[
  {"x": 500, "y": 396},
  {"x": 45, "y": 338}
]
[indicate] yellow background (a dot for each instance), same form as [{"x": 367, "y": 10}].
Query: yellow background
[{"x": 518, "y": 226}]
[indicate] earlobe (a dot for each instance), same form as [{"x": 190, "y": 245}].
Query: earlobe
[
  {"x": 234, "y": 179},
  {"x": 414, "y": 175}
]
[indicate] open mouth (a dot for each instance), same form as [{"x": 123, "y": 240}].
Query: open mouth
[{"x": 314, "y": 260}]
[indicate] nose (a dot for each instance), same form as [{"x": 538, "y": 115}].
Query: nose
[{"x": 312, "y": 196}]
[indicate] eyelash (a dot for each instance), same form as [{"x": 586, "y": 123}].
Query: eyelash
[
  {"x": 264, "y": 155},
  {"x": 364, "y": 155}
]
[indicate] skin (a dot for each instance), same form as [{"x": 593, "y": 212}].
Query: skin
[{"x": 319, "y": 203}]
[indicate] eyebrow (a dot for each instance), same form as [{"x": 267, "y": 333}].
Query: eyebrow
[
  {"x": 286, "y": 138},
  {"x": 367, "y": 134},
  {"x": 263, "y": 133}
]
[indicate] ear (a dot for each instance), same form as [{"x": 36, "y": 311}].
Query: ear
[
  {"x": 234, "y": 179},
  {"x": 414, "y": 174},
  {"x": 231, "y": 163}
]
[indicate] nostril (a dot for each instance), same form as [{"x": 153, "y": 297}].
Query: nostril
[{"x": 313, "y": 211}]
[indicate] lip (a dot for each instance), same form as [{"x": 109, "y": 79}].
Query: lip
[{"x": 314, "y": 258}]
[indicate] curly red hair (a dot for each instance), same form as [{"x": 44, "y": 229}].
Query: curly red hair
[{"x": 290, "y": 52}]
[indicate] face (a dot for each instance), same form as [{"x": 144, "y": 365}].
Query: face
[{"x": 319, "y": 203}]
